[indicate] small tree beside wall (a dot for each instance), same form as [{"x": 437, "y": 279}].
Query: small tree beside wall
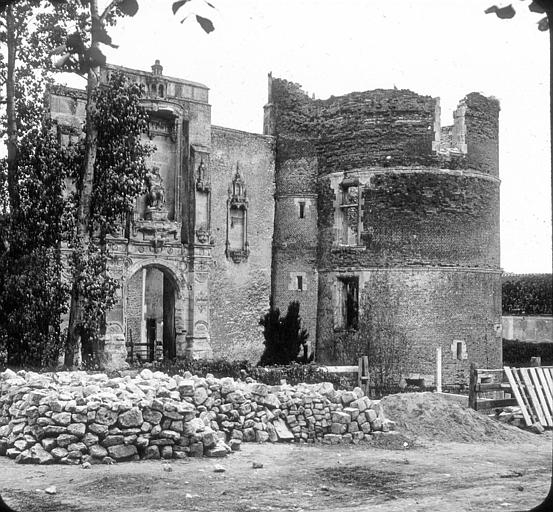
[{"x": 285, "y": 338}]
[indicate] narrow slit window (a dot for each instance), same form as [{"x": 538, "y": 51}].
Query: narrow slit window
[
  {"x": 300, "y": 282},
  {"x": 459, "y": 350},
  {"x": 302, "y": 209}
]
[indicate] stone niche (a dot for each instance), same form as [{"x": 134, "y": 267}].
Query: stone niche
[{"x": 237, "y": 246}]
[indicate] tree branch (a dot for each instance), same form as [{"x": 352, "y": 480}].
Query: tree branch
[{"x": 108, "y": 9}]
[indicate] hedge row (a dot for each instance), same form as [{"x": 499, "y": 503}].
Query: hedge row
[
  {"x": 527, "y": 294},
  {"x": 293, "y": 373},
  {"x": 518, "y": 353}
]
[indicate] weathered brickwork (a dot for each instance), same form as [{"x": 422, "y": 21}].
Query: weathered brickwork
[
  {"x": 426, "y": 308},
  {"x": 240, "y": 292},
  {"x": 482, "y": 127},
  {"x": 407, "y": 223}
]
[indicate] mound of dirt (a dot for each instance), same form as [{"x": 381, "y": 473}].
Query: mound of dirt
[{"x": 430, "y": 416}]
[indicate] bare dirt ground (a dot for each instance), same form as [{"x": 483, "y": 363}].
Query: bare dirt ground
[{"x": 384, "y": 476}]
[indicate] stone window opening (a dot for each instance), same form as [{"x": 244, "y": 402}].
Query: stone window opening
[
  {"x": 459, "y": 350},
  {"x": 347, "y": 314},
  {"x": 349, "y": 218},
  {"x": 160, "y": 90},
  {"x": 297, "y": 281},
  {"x": 302, "y": 209}
]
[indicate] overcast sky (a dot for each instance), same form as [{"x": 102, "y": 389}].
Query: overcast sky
[{"x": 332, "y": 47}]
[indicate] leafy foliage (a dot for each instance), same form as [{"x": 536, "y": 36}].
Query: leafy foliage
[
  {"x": 527, "y": 294},
  {"x": 119, "y": 178},
  {"x": 32, "y": 294},
  {"x": 537, "y": 6},
  {"x": 284, "y": 337},
  {"x": 120, "y": 169},
  {"x": 519, "y": 353}
]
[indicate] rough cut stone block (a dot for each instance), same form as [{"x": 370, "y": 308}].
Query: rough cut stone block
[
  {"x": 348, "y": 397},
  {"x": 166, "y": 452},
  {"x": 282, "y": 431},
  {"x": 151, "y": 452},
  {"x": 122, "y": 452},
  {"x": 196, "y": 450},
  {"x": 59, "y": 453},
  {"x": 98, "y": 429},
  {"x": 338, "y": 428},
  {"x": 131, "y": 418},
  {"x": 76, "y": 429},
  {"x": 112, "y": 440},
  {"x": 62, "y": 418},
  {"x": 49, "y": 443},
  {"x": 186, "y": 387},
  {"x": 98, "y": 451},
  {"x": 65, "y": 440},
  {"x": 341, "y": 417},
  {"x": 261, "y": 436},
  {"x": 106, "y": 416},
  {"x": 216, "y": 452}
]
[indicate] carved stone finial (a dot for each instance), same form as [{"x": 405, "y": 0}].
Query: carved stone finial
[{"x": 157, "y": 68}]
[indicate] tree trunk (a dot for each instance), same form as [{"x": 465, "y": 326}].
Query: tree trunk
[
  {"x": 85, "y": 196},
  {"x": 13, "y": 191}
]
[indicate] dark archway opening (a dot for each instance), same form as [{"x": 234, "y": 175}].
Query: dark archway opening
[{"x": 151, "y": 299}]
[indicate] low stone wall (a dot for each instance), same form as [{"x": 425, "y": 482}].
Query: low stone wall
[{"x": 73, "y": 417}]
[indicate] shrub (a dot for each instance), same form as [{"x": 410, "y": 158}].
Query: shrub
[
  {"x": 284, "y": 337},
  {"x": 518, "y": 353}
]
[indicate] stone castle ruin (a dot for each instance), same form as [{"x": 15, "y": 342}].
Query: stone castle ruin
[{"x": 380, "y": 222}]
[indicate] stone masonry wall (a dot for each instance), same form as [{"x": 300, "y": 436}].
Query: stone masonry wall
[
  {"x": 239, "y": 292},
  {"x": 417, "y": 217},
  {"x": 358, "y": 129},
  {"x": 425, "y": 308},
  {"x": 72, "y": 417}
]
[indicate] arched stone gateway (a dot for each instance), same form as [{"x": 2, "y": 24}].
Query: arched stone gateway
[{"x": 154, "y": 313}]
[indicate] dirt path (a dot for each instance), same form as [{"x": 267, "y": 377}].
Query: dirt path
[{"x": 446, "y": 477}]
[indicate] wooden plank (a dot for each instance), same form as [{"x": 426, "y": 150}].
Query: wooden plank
[
  {"x": 549, "y": 380},
  {"x": 341, "y": 369},
  {"x": 473, "y": 379},
  {"x": 484, "y": 403},
  {"x": 493, "y": 387},
  {"x": 516, "y": 392},
  {"x": 541, "y": 396},
  {"x": 530, "y": 391},
  {"x": 546, "y": 388}
]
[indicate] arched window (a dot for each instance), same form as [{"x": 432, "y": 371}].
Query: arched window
[{"x": 160, "y": 91}]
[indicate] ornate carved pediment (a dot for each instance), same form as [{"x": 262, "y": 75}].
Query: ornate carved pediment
[
  {"x": 237, "y": 191},
  {"x": 156, "y": 229}
]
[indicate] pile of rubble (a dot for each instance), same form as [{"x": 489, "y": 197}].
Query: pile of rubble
[{"x": 74, "y": 417}]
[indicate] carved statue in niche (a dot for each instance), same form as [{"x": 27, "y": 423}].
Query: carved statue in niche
[
  {"x": 202, "y": 181},
  {"x": 155, "y": 197}
]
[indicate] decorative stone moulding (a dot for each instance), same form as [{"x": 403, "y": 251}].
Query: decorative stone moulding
[
  {"x": 151, "y": 229},
  {"x": 238, "y": 255},
  {"x": 203, "y": 235}
]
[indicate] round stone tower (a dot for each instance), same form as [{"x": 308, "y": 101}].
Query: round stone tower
[{"x": 407, "y": 230}]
